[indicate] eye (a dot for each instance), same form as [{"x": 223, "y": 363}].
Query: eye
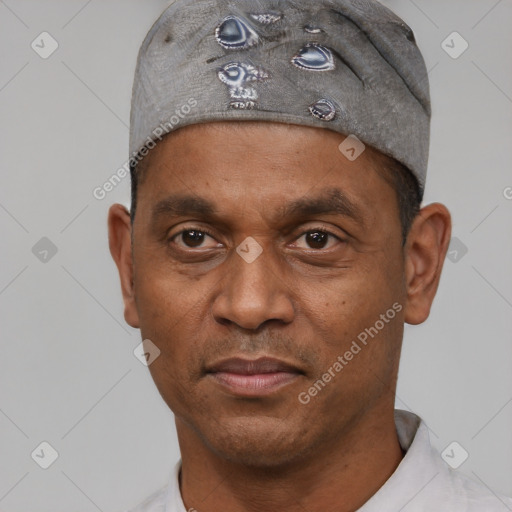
[
  {"x": 193, "y": 238},
  {"x": 319, "y": 239}
]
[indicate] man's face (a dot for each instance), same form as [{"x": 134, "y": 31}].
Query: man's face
[{"x": 303, "y": 301}]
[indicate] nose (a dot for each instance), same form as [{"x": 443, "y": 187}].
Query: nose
[{"x": 253, "y": 293}]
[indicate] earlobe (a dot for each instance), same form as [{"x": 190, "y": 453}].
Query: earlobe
[
  {"x": 426, "y": 248},
  {"x": 119, "y": 236}
]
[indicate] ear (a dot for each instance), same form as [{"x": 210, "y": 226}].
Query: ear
[
  {"x": 119, "y": 237},
  {"x": 425, "y": 253}
]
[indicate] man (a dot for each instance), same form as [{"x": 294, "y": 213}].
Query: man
[{"x": 274, "y": 250}]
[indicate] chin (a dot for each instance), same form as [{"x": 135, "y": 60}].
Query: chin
[{"x": 259, "y": 443}]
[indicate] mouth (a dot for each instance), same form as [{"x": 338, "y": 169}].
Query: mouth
[{"x": 253, "y": 378}]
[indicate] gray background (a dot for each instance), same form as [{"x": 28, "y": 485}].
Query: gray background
[{"x": 68, "y": 375}]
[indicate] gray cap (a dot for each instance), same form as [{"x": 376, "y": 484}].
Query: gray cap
[{"x": 351, "y": 66}]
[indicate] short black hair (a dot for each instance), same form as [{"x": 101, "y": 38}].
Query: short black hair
[
  {"x": 408, "y": 191},
  {"x": 135, "y": 179},
  {"x": 409, "y": 194}
]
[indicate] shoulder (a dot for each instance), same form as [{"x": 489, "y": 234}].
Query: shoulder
[
  {"x": 424, "y": 482},
  {"x": 469, "y": 495}
]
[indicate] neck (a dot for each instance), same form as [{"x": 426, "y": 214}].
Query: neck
[{"x": 341, "y": 475}]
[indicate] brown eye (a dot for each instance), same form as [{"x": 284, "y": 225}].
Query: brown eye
[
  {"x": 193, "y": 239},
  {"x": 318, "y": 239}
]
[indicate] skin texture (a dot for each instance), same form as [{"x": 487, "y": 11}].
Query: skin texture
[{"x": 304, "y": 301}]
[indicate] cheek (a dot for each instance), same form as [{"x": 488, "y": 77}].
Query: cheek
[
  {"x": 172, "y": 312},
  {"x": 173, "y": 321},
  {"x": 343, "y": 306},
  {"x": 355, "y": 317}
]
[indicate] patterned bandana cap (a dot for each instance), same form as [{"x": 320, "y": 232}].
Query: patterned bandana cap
[{"x": 351, "y": 66}]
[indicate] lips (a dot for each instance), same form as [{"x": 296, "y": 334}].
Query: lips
[
  {"x": 258, "y": 366},
  {"x": 252, "y": 378}
]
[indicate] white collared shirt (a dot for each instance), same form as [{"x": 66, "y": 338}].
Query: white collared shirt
[{"x": 422, "y": 482}]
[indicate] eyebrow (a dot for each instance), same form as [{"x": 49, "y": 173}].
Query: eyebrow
[
  {"x": 330, "y": 201},
  {"x": 181, "y": 205}
]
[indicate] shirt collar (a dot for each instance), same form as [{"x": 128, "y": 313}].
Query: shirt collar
[
  {"x": 420, "y": 466},
  {"x": 417, "y": 469}
]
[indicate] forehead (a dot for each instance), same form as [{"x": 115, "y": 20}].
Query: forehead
[
  {"x": 263, "y": 164},
  {"x": 214, "y": 145}
]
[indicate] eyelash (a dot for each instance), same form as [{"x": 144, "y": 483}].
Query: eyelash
[{"x": 209, "y": 233}]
